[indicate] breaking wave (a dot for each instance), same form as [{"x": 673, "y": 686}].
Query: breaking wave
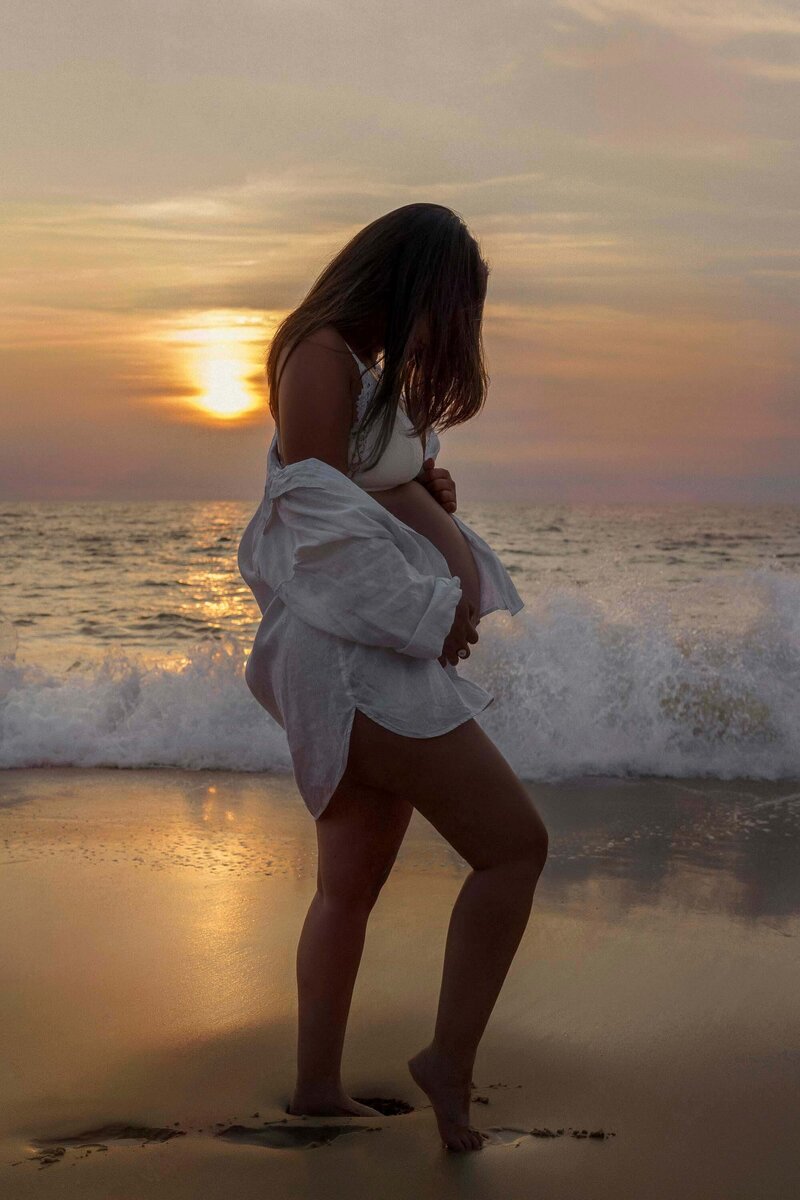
[{"x": 580, "y": 688}]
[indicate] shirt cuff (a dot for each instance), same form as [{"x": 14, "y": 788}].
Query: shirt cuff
[{"x": 428, "y": 638}]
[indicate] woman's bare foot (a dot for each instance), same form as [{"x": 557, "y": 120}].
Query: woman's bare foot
[
  {"x": 449, "y": 1096},
  {"x": 333, "y": 1102}
]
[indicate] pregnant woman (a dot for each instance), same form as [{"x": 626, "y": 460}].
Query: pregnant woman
[{"x": 371, "y": 590}]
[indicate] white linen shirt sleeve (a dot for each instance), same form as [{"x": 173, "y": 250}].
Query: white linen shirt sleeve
[{"x": 335, "y": 564}]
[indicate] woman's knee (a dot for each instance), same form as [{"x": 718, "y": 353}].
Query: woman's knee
[
  {"x": 355, "y": 893},
  {"x": 526, "y": 853}
]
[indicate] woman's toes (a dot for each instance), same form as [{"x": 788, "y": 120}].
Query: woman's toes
[{"x": 465, "y": 1139}]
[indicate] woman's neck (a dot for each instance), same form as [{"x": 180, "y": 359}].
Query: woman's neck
[{"x": 367, "y": 344}]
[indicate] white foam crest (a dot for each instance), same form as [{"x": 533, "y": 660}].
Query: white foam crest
[
  {"x": 581, "y": 691},
  {"x": 125, "y": 713},
  {"x": 581, "y": 687}
]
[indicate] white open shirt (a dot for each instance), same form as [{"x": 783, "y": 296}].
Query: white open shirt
[{"x": 355, "y": 608}]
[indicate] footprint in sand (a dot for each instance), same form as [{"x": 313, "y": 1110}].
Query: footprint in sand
[
  {"x": 507, "y": 1135},
  {"x": 388, "y": 1106},
  {"x": 276, "y": 1135},
  {"x": 52, "y": 1150},
  {"x": 289, "y": 1135},
  {"x": 280, "y": 1135},
  {"x": 504, "y": 1135}
]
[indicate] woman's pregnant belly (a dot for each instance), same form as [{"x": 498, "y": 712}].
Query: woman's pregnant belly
[{"x": 413, "y": 504}]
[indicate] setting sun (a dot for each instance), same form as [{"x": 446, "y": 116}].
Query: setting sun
[
  {"x": 225, "y": 392},
  {"x": 220, "y": 356}
]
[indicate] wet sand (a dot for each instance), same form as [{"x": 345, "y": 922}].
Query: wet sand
[{"x": 147, "y": 1001}]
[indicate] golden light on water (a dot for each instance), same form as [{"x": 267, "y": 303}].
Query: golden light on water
[{"x": 220, "y": 360}]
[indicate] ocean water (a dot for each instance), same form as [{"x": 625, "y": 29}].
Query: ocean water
[{"x": 655, "y": 640}]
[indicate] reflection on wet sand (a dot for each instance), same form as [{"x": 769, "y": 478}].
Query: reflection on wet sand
[
  {"x": 708, "y": 845},
  {"x": 147, "y": 982},
  {"x": 703, "y": 844}
]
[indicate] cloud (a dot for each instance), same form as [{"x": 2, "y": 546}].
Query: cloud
[
  {"x": 706, "y": 20},
  {"x": 630, "y": 168}
]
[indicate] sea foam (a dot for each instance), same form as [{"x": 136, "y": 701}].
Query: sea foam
[{"x": 581, "y": 688}]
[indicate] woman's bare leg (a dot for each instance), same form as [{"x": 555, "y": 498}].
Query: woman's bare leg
[
  {"x": 463, "y": 785},
  {"x": 358, "y": 837}
]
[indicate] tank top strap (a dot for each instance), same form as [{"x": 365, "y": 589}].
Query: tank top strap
[
  {"x": 369, "y": 379},
  {"x": 361, "y": 367}
]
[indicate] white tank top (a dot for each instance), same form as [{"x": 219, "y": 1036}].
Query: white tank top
[{"x": 402, "y": 459}]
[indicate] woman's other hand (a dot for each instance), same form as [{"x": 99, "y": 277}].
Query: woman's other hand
[
  {"x": 462, "y": 633},
  {"x": 439, "y": 483}
]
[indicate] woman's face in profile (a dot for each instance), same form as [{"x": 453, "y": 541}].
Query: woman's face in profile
[{"x": 421, "y": 330}]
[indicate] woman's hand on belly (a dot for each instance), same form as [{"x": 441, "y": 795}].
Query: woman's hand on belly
[
  {"x": 440, "y": 483},
  {"x": 413, "y": 504}
]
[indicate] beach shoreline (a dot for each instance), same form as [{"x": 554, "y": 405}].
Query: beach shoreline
[{"x": 148, "y": 984}]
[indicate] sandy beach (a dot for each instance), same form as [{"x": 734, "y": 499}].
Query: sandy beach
[{"x": 147, "y": 999}]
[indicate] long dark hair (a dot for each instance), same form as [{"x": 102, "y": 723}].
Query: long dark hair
[{"x": 419, "y": 260}]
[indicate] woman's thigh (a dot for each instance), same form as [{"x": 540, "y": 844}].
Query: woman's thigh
[
  {"x": 358, "y": 836},
  {"x": 459, "y": 781}
]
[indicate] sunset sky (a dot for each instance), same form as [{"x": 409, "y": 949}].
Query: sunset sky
[{"x": 176, "y": 174}]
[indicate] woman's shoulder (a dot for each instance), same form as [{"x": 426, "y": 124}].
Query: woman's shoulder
[
  {"x": 318, "y": 386},
  {"x": 323, "y": 351}
]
